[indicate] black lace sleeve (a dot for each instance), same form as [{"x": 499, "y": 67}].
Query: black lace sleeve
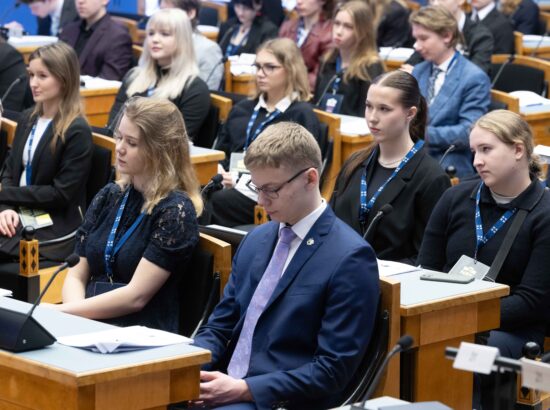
[{"x": 174, "y": 232}]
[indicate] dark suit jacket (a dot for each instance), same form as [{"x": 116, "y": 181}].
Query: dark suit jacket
[
  {"x": 502, "y": 30},
  {"x": 58, "y": 179},
  {"x": 68, "y": 15},
  {"x": 316, "y": 325},
  {"x": 394, "y": 29},
  {"x": 12, "y": 66},
  {"x": 413, "y": 194},
  {"x": 526, "y": 18},
  {"x": 262, "y": 29},
  {"x": 317, "y": 43},
  {"x": 463, "y": 98},
  {"x": 479, "y": 44},
  {"x": 108, "y": 52}
]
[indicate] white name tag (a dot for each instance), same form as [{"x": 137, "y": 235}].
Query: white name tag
[
  {"x": 475, "y": 358},
  {"x": 535, "y": 375},
  {"x": 467, "y": 266}
]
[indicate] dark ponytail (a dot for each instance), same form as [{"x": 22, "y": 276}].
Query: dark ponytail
[{"x": 417, "y": 127}]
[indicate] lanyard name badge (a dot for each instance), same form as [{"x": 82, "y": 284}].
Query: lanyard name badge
[
  {"x": 251, "y": 137},
  {"x": 366, "y": 206},
  {"x": 332, "y": 102},
  {"x": 110, "y": 248},
  {"x": 472, "y": 267}
]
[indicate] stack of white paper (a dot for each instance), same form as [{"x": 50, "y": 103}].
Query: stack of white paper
[
  {"x": 243, "y": 64},
  {"x": 543, "y": 152},
  {"x": 6, "y": 292},
  {"x": 395, "y": 54},
  {"x": 390, "y": 268},
  {"x": 529, "y": 102},
  {"x": 350, "y": 125},
  {"x": 532, "y": 41},
  {"x": 123, "y": 339},
  {"x": 98, "y": 83},
  {"x": 32, "y": 41}
]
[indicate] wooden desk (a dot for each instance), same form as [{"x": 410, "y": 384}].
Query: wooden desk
[
  {"x": 205, "y": 162},
  {"x": 61, "y": 377},
  {"x": 540, "y": 124},
  {"x": 97, "y": 104},
  {"x": 437, "y": 322},
  {"x": 27, "y": 44}
]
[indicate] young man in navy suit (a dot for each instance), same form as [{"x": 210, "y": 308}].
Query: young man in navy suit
[
  {"x": 456, "y": 90},
  {"x": 298, "y": 311}
]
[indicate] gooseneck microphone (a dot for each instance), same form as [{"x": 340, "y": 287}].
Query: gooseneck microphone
[
  {"x": 384, "y": 210},
  {"x": 13, "y": 84},
  {"x": 215, "y": 182},
  {"x": 329, "y": 84},
  {"x": 20, "y": 331},
  {"x": 534, "y": 52},
  {"x": 404, "y": 343},
  {"x": 451, "y": 148},
  {"x": 501, "y": 69}
]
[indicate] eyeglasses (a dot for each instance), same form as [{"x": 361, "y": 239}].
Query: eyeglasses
[
  {"x": 266, "y": 68},
  {"x": 273, "y": 193}
]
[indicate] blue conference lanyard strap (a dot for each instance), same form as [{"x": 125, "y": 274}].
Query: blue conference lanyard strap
[
  {"x": 233, "y": 49},
  {"x": 28, "y": 167},
  {"x": 338, "y": 78},
  {"x": 481, "y": 238},
  {"x": 251, "y": 137},
  {"x": 366, "y": 206},
  {"x": 111, "y": 249}
]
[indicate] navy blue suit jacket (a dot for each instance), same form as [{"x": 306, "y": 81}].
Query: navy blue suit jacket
[
  {"x": 463, "y": 98},
  {"x": 317, "y": 324}
]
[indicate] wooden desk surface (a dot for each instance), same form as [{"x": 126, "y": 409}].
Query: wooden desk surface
[
  {"x": 205, "y": 161},
  {"x": 63, "y": 377}
]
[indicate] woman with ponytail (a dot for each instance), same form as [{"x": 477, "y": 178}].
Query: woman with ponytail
[
  {"x": 395, "y": 169},
  {"x": 472, "y": 220}
]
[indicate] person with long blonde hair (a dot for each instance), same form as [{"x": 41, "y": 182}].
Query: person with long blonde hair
[
  {"x": 140, "y": 231},
  {"x": 168, "y": 69},
  {"x": 348, "y": 68},
  {"x": 282, "y": 95},
  {"x": 49, "y": 162}
]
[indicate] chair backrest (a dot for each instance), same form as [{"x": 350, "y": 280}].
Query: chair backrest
[
  {"x": 206, "y": 16},
  {"x": 523, "y": 73},
  {"x": 137, "y": 51},
  {"x": 9, "y": 126},
  {"x": 103, "y": 165},
  {"x": 384, "y": 336},
  {"x": 217, "y": 115},
  {"x": 211, "y": 256},
  {"x": 131, "y": 25},
  {"x": 333, "y": 124},
  {"x": 501, "y": 100}
]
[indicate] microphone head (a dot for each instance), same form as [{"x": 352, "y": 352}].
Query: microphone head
[
  {"x": 386, "y": 209},
  {"x": 217, "y": 179},
  {"x": 72, "y": 260},
  {"x": 405, "y": 342}
]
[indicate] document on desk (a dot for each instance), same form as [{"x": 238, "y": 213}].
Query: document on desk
[
  {"x": 6, "y": 292},
  {"x": 391, "y": 268},
  {"x": 123, "y": 339},
  {"x": 350, "y": 125}
]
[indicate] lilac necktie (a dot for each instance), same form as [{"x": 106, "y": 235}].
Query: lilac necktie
[{"x": 238, "y": 366}]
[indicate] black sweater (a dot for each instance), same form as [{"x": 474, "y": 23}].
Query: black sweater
[
  {"x": 193, "y": 103},
  {"x": 451, "y": 233},
  {"x": 354, "y": 91}
]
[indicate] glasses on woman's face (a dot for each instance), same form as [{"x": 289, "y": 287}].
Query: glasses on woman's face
[
  {"x": 273, "y": 193},
  {"x": 267, "y": 68}
]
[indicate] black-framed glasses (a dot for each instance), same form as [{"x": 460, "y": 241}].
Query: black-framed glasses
[
  {"x": 267, "y": 68},
  {"x": 273, "y": 193}
]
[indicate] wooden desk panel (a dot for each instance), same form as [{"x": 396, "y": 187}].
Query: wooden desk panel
[
  {"x": 97, "y": 104},
  {"x": 540, "y": 124},
  {"x": 205, "y": 163}
]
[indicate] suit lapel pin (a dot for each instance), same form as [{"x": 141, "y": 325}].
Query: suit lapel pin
[{"x": 310, "y": 241}]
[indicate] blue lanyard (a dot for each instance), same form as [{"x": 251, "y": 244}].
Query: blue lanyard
[
  {"x": 232, "y": 49},
  {"x": 28, "y": 168},
  {"x": 482, "y": 239},
  {"x": 110, "y": 248},
  {"x": 367, "y": 206},
  {"x": 453, "y": 60},
  {"x": 249, "y": 137},
  {"x": 336, "y": 82}
]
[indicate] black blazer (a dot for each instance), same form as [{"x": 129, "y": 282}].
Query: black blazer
[
  {"x": 526, "y": 18},
  {"x": 394, "y": 29},
  {"x": 11, "y": 67},
  {"x": 502, "y": 30},
  {"x": 58, "y": 179},
  {"x": 413, "y": 194},
  {"x": 479, "y": 44},
  {"x": 68, "y": 15},
  {"x": 262, "y": 29}
]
